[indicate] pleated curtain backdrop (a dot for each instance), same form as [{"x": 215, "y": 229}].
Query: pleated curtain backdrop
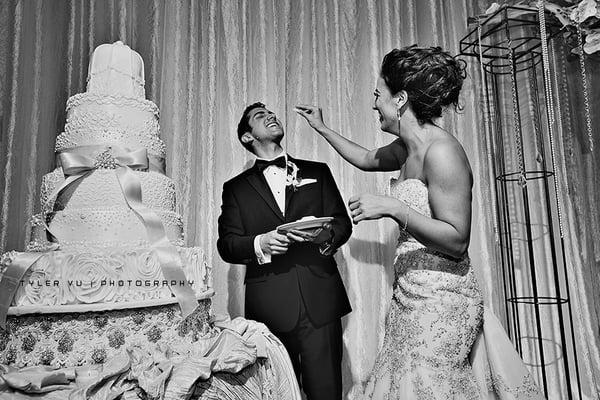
[{"x": 204, "y": 62}]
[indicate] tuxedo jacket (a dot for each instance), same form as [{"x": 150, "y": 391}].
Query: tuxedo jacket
[{"x": 274, "y": 290}]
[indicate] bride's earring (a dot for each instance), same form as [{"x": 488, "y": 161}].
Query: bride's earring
[{"x": 399, "y": 115}]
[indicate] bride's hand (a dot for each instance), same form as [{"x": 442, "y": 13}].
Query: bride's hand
[
  {"x": 368, "y": 206},
  {"x": 312, "y": 114}
]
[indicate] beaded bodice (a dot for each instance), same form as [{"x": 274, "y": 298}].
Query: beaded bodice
[
  {"x": 411, "y": 254},
  {"x": 414, "y": 193}
]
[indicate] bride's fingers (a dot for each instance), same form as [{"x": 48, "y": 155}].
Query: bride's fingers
[
  {"x": 307, "y": 109},
  {"x": 306, "y": 106},
  {"x": 302, "y": 113}
]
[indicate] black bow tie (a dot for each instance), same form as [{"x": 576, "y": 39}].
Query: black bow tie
[{"x": 278, "y": 162}]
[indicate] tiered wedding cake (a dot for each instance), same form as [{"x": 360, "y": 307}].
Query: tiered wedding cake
[{"x": 106, "y": 279}]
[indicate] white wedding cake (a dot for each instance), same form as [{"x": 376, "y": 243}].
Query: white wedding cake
[
  {"x": 107, "y": 303},
  {"x": 97, "y": 268}
]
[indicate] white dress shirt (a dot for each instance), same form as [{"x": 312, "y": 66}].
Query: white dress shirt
[{"x": 276, "y": 178}]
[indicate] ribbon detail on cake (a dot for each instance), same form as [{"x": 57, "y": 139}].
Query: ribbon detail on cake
[
  {"x": 168, "y": 256},
  {"x": 79, "y": 162},
  {"x": 77, "y": 165},
  {"x": 12, "y": 278}
]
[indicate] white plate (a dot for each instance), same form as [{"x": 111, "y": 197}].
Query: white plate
[{"x": 306, "y": 223}]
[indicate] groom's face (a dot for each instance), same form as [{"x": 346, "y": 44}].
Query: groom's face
[{"x": 265, "y": 126}]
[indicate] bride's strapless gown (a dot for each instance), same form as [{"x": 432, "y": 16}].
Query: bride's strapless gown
[{"x": 434, "y": 345}]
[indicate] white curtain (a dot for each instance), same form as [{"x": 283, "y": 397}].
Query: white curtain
[{"x": 205, "y": 61}]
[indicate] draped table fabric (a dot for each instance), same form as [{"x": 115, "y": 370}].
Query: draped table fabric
[{"x": 244, "y": 361}]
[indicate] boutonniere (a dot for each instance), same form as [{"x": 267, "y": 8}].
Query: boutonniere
[{"x": 293, "y": 177}]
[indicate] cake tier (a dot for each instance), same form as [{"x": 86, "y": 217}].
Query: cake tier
[
  {"x": 94, "y": 119},
  {"x": 103, "y": 226},
  {"x": 90, "y": 278},
  {"x": 68, "y": 340},
  {"x": 116, "y": 69},
  {"x": 143, "y": 354},
  {"x": 102, "y": 189}
]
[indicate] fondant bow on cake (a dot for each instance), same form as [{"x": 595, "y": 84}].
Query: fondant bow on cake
[{"x": 79, "y": 162}]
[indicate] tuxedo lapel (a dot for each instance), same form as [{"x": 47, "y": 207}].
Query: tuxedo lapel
[{"x": 259, "y": 183}]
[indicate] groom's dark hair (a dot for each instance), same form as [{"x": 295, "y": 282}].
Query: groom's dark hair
[{"x": 244, "y": 125}]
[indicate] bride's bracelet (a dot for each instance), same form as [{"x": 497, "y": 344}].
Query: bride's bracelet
[{"x": 406, "y": 218}]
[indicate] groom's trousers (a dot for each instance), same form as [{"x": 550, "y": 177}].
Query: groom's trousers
[{"x": 316, "y": 354}]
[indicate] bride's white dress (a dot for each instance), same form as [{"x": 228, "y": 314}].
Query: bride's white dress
[{"x": 440, "y": 342}]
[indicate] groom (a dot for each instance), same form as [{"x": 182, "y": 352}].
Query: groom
[{"x": 292, "y": 282}]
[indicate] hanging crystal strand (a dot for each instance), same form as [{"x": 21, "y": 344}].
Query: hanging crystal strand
[
  {"x": 559, "y": 121},
  {"x": 586, "y": 93},
  {"x": 568, "y": 135},
  {"x": 566, "y": 124},
  {"x": 549, "y": 106},
  {"x": 487, "y": 128},
  {"x": 561, "y": 137},
  {"x": 533, "y": 105},
  {"x": 516, "y": 119}
]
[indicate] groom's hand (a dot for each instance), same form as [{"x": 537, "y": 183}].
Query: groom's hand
[{"x": 274, "y": 243}]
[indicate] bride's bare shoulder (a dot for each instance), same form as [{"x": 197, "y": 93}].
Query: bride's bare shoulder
[{"x": 445, "y": 158}]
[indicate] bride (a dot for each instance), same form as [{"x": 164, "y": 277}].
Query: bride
[{"x": 434, "y": 345}]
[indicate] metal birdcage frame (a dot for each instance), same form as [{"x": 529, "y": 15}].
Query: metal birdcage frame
[{"x": 509, "y": 45}]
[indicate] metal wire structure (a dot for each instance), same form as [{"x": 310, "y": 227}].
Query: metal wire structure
[{"x": 511, "y": 46}]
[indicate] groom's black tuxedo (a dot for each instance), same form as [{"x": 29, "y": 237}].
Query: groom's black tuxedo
[
  {"x": 299, "y": 295},
  {"x": 274, "y": 291}
]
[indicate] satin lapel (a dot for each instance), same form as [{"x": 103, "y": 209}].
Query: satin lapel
[{"x": 259, "y": 183}]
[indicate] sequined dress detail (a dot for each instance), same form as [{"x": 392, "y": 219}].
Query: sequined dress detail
[{"x": 434, "y": 319}]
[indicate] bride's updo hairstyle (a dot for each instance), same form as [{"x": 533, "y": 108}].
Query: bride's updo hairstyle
[{"x": 431, "y": 77}]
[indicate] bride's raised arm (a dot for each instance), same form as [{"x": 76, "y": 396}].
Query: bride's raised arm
[{"x": 387, "y": 158}]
